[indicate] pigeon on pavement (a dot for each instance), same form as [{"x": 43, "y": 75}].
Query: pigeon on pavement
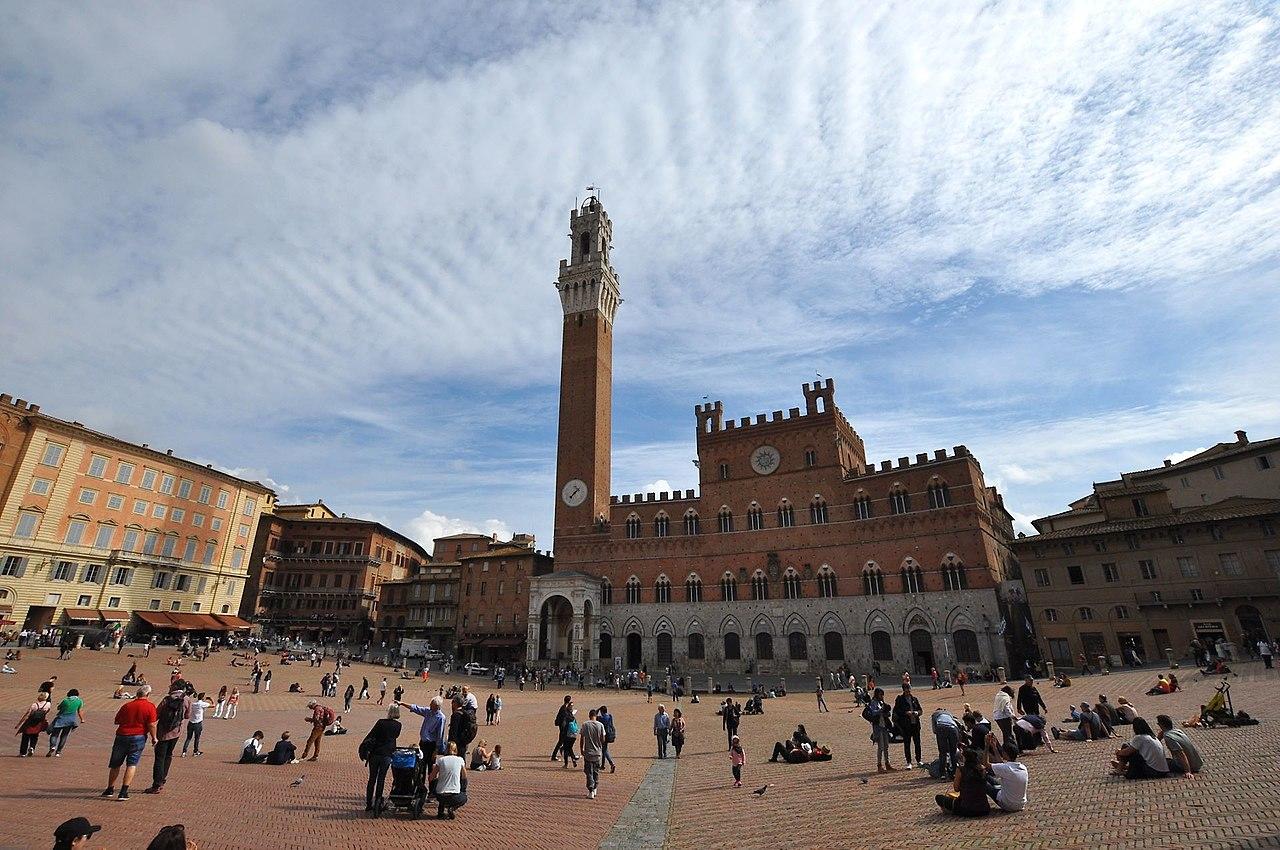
[
  {"x": 759, "y": 792},
  {"x": 295, "y": 783},
  {"x": 865, "y": 780}
]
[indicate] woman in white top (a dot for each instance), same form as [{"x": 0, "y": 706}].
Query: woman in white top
[
  {"x": 195, "y": 723},
  {"x": 1143, "y": 757},
  {"x": 449, "y": 778},
  {"x": 1002, "y": 713}
]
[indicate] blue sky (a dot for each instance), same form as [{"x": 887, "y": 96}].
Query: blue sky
[{"x": 317, "y": 246}]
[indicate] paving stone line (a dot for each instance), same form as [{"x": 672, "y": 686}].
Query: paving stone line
[{"x": 643, "y": 823}]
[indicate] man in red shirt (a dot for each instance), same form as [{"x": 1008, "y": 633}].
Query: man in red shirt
[
  {"x": 320, "y": 719},
  {"x": 135, "y": 725}
]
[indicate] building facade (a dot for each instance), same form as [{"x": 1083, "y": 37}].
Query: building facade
[
  {"x": 422, "y": 606},
  {"x": 317, "y": 576},
  {"x": 795, "y": 555},
  {"x": 494, "y": 601},
  {"x": 97, "y": 530},
  {"x": 1160, "y": 557}
]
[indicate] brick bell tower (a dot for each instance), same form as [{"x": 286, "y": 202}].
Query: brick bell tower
[{"x": 589, "y": 295}]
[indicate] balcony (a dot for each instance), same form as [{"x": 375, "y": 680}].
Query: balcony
[{"x": 127, "y": 557}]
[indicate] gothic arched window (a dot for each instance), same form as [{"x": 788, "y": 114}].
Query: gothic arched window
[
  {"x": 818, "y": 511},
  {"x": 826, "y": 583},
  {"x": 661, "y": 525},
  {"x": 786, "y": 515},
  {"x": 662, "y": 590},
  {"x": 862, "y": 507},
  {"x": 606, "y": 592},
  {"x": 633, "y": 527},
  {"x": 633, "y": 591},
  {"x": 755, "y": 518},
  {"x": 911, "y": 579},
  {"x": 872, "y": 580},
  {"x": 693, "y": 588},
  {"x": 899, "y": 501},
  {"x": 725, "y": 519},
  {"x": 791, "y": 585},
  {"x": 691, "y": 524},
  {"x": 729, "y": 588},
  {"x": 759, "y": 586},
  {"x": 939, "y": 495}
]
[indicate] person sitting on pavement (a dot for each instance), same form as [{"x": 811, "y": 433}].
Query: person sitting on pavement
[
  {"x": 1162, "y": 686},
  {"x": 1143, "y": 757},
  {"x": 284, "y": 752},
  {"x": 1030, "y": 731},
  {"x": 1125, "y": 711},
  {"x": 1184, "y": 757},
  {"x": 1101, "y": 711},
  {"x": 968, "y": 795},
  {"x": 251, "y": 749},
  {"x": 1090, "y": 727},
  {"x": 1062, "y": 680},
  {"x": 797, "y": 744},
  {"x": 1008, "y": 785},
  {"x": 337, "y": 728}
]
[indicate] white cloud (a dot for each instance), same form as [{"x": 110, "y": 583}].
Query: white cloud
[
  {"x": 1179, "y": 457},
  {"x": 429, "y": 525},
  {"x": 662, "y": 485},
  {"x": 281, "y": 489}
]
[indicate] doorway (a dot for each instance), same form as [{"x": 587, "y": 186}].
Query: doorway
[
  {"x": 922, "y": 651},
  {"x": 1093, "y": 644},
  {"x": 633, "y": 651},
  {"x": 39, "y": 617},
  {"x": 555, "y": 622},
  {"x": 1251, "y": 626}
]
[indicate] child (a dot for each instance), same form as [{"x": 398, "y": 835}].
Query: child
[
  {"x": 495, "y": 758},
  {"x": 266, "y": 680},
  {"x": 737, "y": 757},
  {"x": 232, "y": 702},
  {"x": 222, "y": 702}
]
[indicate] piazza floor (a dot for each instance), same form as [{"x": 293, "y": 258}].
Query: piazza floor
[{"x": 534, "y": 803}]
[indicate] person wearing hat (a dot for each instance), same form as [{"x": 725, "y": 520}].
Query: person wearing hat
[{"x": 74, "y": 833}]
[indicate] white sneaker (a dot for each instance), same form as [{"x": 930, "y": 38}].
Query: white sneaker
[{"x": 909, "y": 765}]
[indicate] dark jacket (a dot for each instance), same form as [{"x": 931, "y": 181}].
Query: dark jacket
[
  {"x": 282, "y": 753},
  {"x": 1030, "y": 701},
  {"x": 903, "y": 704},
  {"x": 383, "y": 735}
]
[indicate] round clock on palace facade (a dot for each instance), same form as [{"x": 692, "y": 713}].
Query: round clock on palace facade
[
  {"x": 574, "y": 492},
  {"x": 765, "y": 460}
]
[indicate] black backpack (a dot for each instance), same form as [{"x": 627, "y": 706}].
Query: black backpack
[
  {"x": 170, "y": 714},
  {"x": 466, "y": 729}
]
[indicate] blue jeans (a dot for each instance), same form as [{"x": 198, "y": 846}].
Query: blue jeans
[
  {"x": 662, "y": 743},
  {"x": 127, "y": 749}
]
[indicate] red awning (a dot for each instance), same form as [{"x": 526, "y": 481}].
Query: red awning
[
  {"x": 232, "y": 622},
  {"x": 114, "y": 615},
  {"x": 156, "y": 619},
  {"x": 189, "y": 622},
  {"x": 89, "y": 614}
]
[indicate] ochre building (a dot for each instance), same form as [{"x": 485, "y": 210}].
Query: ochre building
[
  {"x": 318, "y": 576},
  {"x": 795, "y": 555},
  {"x": 1160, "y": 557},
  {"x": 95, "y": 530}
]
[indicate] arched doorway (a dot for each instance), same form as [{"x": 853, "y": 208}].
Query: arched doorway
[
  {"x": 606, "y": 648},
  {"x": 1251, "y": 623},
  {"x": 921, "y": 651},
  {"x": 633, "y": 651},
  {"x": 555, "y": 623}
]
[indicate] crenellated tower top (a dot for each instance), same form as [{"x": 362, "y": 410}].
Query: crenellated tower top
[{"x": 587, "y": 281}]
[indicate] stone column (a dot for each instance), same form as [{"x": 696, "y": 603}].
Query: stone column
[{"x": 575, "y": 640}]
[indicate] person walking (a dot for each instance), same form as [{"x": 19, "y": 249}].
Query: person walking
[
  {"x": 266, "y": 681},
  {"x": 497, "y": 710},
  {"x": 562, "y": 715},
  {"x": 70, "y": 715},
  {"x": 822, "y": 703},
  {"x": 906, "y": 716},
  {"x": 171, "y": 713},
  {"x": 1264, "y": 649},
  {"x": 737, "y": 758},
  {"x": 34, "y": 721},
  {"x": 348, "y": 695},
  {"x": 135, "y": 726},
  {"x": 662, "y": 729},
  {"x": 257, "y": 677},
  {"x": 677, "y": 730},
  {"x": 731, "y": 716},
  {"x": 321, "y": 718},
  {"x": 462, "y": 727},
  {"x": 610, "y": 735},
  {"x": 222, "y": 702},
  {"x": 592, "y": 738},
  {"x": 382, "y": 691},
  {"x": 1029, "y": 699},
  {"x": 195, "y": 724},
  {"x": 376, "y": 749},
  {"x": 364, "y": 688}
]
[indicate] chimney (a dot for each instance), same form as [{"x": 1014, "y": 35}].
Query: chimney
[
  {"x": 1242, "y": 437},
  {"x": 1168, "y": 462},
  {"x": 169, "y": 452}
]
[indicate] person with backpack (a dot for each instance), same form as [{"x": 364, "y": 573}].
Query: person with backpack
[
  {"x": 321, "y": 718},
  {"x": 610, "y": 735},
  {"x": 878, "y": 713},
  {"x": 566, "y": 709},
  {"x": 171, "y": 713},
  {"x": 462, "y": 727},
  {"x": 70, "y": 715},
  {"x": 569, "y": 737},
  {"x": 33, "y": 722}
]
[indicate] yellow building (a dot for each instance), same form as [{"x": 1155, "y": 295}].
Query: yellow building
[{"x": 95, "y": 530}]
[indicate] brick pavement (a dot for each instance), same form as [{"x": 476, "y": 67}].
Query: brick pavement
[
  {"x": 530, "y": 803},
  {"x": 1073, "y": 803},
  {"x": 533, "y": 803}
]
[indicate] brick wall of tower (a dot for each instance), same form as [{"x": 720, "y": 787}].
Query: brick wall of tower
[{"x": 586, "y": 379}]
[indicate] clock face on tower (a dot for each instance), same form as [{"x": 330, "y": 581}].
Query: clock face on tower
[
  {"x": 765, "y": 460},
  {"x": 574, "y": 493}
]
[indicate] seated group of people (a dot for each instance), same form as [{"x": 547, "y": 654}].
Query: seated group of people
[
  {"x": 284, "y": 752},
  {"x": 800, "y": 748},
  {"x": 1152, "y": 754},
  {"x": 1165, "y": 684},
  {"x": 1061, "y": 680},
  {"x": 1098, "y": 720},
  {"x": 484, "y": 757},
  {"x": 132, "y": 676},
  {"x": 13, "y": 655},
  {"x": 992, "y": 774},
  {"x": 337, "y": 728},
  {"x": 754, "y": 705}
]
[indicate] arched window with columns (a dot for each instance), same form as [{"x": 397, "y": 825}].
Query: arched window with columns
[
  {"x": 818, "y": 511},
  {"x": 724, "y": 520},
  {"x": 691, "y": 524},
  {"x": 939, "y": 495},
  {"x": 661, "y": 525},
  {"x": 786, "y": 514},
  {"x": 791, "y": 588},
  {"x": 662, "y": 590},
  {"x": 633, "y": 527},
  {"x": 606, "y": 592},
  {"x": 759, "y": 586},
  {"x": 899, "y": 501},
  {"x": 826, "y": 582},
  {"x": 912, "y": 581},
  {"x": 872, "y": 580},
  {"x": 728, "y": 588},
  {"x": 755, "y": 517},
  {"x": 693, "y": 588},
  {"x": 633, "y": 591}
]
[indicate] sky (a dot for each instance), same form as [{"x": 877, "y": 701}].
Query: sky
[{"x": 315, "y": 244}]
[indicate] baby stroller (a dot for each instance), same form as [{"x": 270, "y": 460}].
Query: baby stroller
[
  {"x": 1220, "y": 712},
  {"x": 408, "y": 781}
]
